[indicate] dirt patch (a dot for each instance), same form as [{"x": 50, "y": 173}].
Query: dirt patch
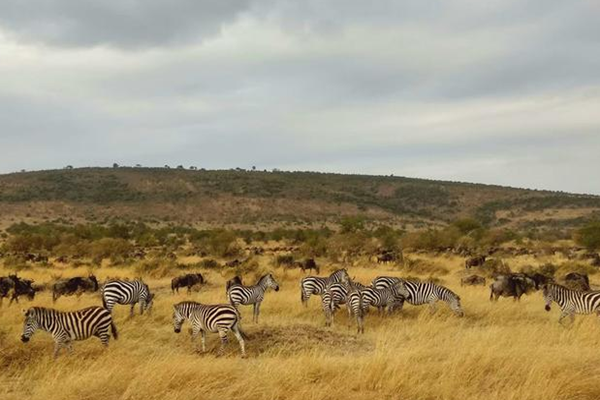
[{"x": 289, "y": 340}]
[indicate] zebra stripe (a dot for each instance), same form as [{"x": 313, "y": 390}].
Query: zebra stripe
[
  {"x": 316, "y": 284},
  {"x": 239, "y": 294},
  {"x": 220, "y": 318},
  {"x": 68, "y": 326},
  {"x": 127, "y": 292},
  {"x": 389, "y": 298},
  {"x": 419, "y": 293},
  {"x": 356, "y": 306},
  {"x": 333, "y": 295},
  {"x": 571, "y": 302}
]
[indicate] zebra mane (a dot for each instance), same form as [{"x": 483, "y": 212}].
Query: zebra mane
[{"x": 262, "y": 278}]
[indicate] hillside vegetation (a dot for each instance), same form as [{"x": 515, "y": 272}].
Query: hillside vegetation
[{"x": 238, "y": 197}]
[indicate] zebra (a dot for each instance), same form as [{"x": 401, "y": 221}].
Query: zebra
[
  {"x": 220, "y": 318},
  {"x": 68, "y": 326},
  {"x": 381, "y": 298},
  {"x": 419, "y": 293},
  {"x": 316, "y": 284},
  {"x": 571, "y": 302},
  {"x": 239, "y": 294},
  {"x": 333, "y": 295},
  {"x": 127, "y": 292},
  {"x": 356, "y": 306}
]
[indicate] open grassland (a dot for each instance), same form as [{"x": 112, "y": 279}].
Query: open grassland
[{"x": 506, "y": 350}]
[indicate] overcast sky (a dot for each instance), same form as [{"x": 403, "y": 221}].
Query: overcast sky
[{"x": 495, "y": 91}]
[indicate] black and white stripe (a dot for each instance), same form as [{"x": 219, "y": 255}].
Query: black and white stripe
[
  {"x": 571, "y": 302},
  {"x": 66, "y": 327},
  {"x": 316, "y": 284},
  {"x": 419, "y": 293},
  {"x": 333, "y": 295},
  {"x": 220, "y": 318},
  {"x": 127, "y": 292},
  {"x": 389, "y": 298},
  {"x": 355, "y": 306},
  {"x": 239, "y": 294}
]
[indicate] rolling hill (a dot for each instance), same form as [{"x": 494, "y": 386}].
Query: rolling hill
[{"x": 259, "y": 198}]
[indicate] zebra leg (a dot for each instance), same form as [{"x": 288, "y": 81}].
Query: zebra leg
[
  {"x": 432, "y": 307},
  {"x": 194, "y": 337},
  {"x": 69, "y": 345},
  {"x": 223, "y": 336},
  {"x": 238, "y": 335},
  {"x": 142, "y": 304},
  {"x": 131, "y": 311},
  {"x": 203, "y": 339},
  {"x": 256, "y": 311}
]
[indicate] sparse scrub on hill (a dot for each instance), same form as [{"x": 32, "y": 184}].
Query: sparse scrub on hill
[{"x": 589, "y": 236}]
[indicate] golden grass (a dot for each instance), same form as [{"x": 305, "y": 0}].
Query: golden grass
[{"x": 498, "y": 351}]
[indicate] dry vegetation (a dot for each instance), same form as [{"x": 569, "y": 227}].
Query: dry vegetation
[{"x": 502, "y": 351}]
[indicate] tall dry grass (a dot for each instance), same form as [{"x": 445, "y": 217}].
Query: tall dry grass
[{"x": 505, "y": 351}]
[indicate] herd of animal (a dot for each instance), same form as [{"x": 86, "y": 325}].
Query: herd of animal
[{"x": 387, "y": 294}]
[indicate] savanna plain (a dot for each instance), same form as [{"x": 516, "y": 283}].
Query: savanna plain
[{"x": 504, "y": 350}]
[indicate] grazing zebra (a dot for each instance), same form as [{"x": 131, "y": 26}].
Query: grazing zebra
[
  {"x": 571, "y": 302},
  {"x": 239, "y": 294},
  {"x": 220, "y": 318},
  {"x": 127, "y": 292},
  {"x": 68, "y": 326},
  {"x": 316, "y": 284},
  {"x": 381, "y": 298},
  {"x": 419, "y": 293}
]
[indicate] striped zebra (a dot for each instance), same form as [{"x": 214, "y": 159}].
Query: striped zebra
[
  {"x": 390, "y": 298},
  {"x": 239, "y": 294},
  {"x": 220, "y": 318},
  {"x": 333, "y": 295},
  {"x": 316, "y": 284},
  {"x": 68, "y": 326},
  {"x": 419, "y": 293},
  {"x": 571, "y": 302},
  {"x": 355, "y": 306},
  {"x": 127, "y": 292}
]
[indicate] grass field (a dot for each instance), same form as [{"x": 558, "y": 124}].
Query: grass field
[{"x": 505, "y": 351}]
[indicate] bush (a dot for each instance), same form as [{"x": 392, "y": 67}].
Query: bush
[
  {"x": 117, "y": 250},
  {"x": 589, "y": 236}
]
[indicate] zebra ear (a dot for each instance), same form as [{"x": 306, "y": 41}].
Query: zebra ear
[{"x": 24, "y": 311}]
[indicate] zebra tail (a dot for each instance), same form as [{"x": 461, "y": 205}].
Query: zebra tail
[
  {"x": 113, "y": 329},
  {"x": 244, "y": 336}
]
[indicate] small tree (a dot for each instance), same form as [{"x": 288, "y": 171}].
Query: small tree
[
  {"x": 69, "y": 167},
  {"x": 115, "y": 165},
  {"x": 180, "y": 167},
  {"x": 589, "y": 236}
]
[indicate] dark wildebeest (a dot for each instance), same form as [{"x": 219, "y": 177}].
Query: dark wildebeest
[
  {"x": 19, "y": 287},
  {"x": 577, "y": 281},
  {"x": 62, "y": 259},
  {"x": 233, "y": 263},
  {"x": 473, "y": 280},
  {"x": 76, "y": 285},
  {"x": 307, "y": 265},
  {"x": 188, "y": 280},
  {"x": 385, "y": 258},
  {"x": 511, "y": 285},
  {"x": 475, "y": 262}
]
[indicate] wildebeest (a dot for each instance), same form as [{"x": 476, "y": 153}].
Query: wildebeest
[
  {"x": 187, "y": 280},
  {"x": 307, "y": 265},
  {"x": 78, "y": 284},
  {"x": 386, "y": 257},
  {"x": 475, "y": 262},
  {"x": 577, "y": 281},
  {"x": 473, "y": 280},
  {"x": 18, "y": 286},
  {"x": 233, "y": 263},
  {"x": 511, "y": 285}
]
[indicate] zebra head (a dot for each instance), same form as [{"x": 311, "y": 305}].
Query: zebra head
[
  {"x": 401, "y": 289},
  {"x": 548, "y": 296},
  {"x": 455, "y": 306},
  {"x": 30, "y": 325},
  {"x": 178, "y": 318},
  {"x": 149, "y": 301},
  {"x": 271, "y": 282}
]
